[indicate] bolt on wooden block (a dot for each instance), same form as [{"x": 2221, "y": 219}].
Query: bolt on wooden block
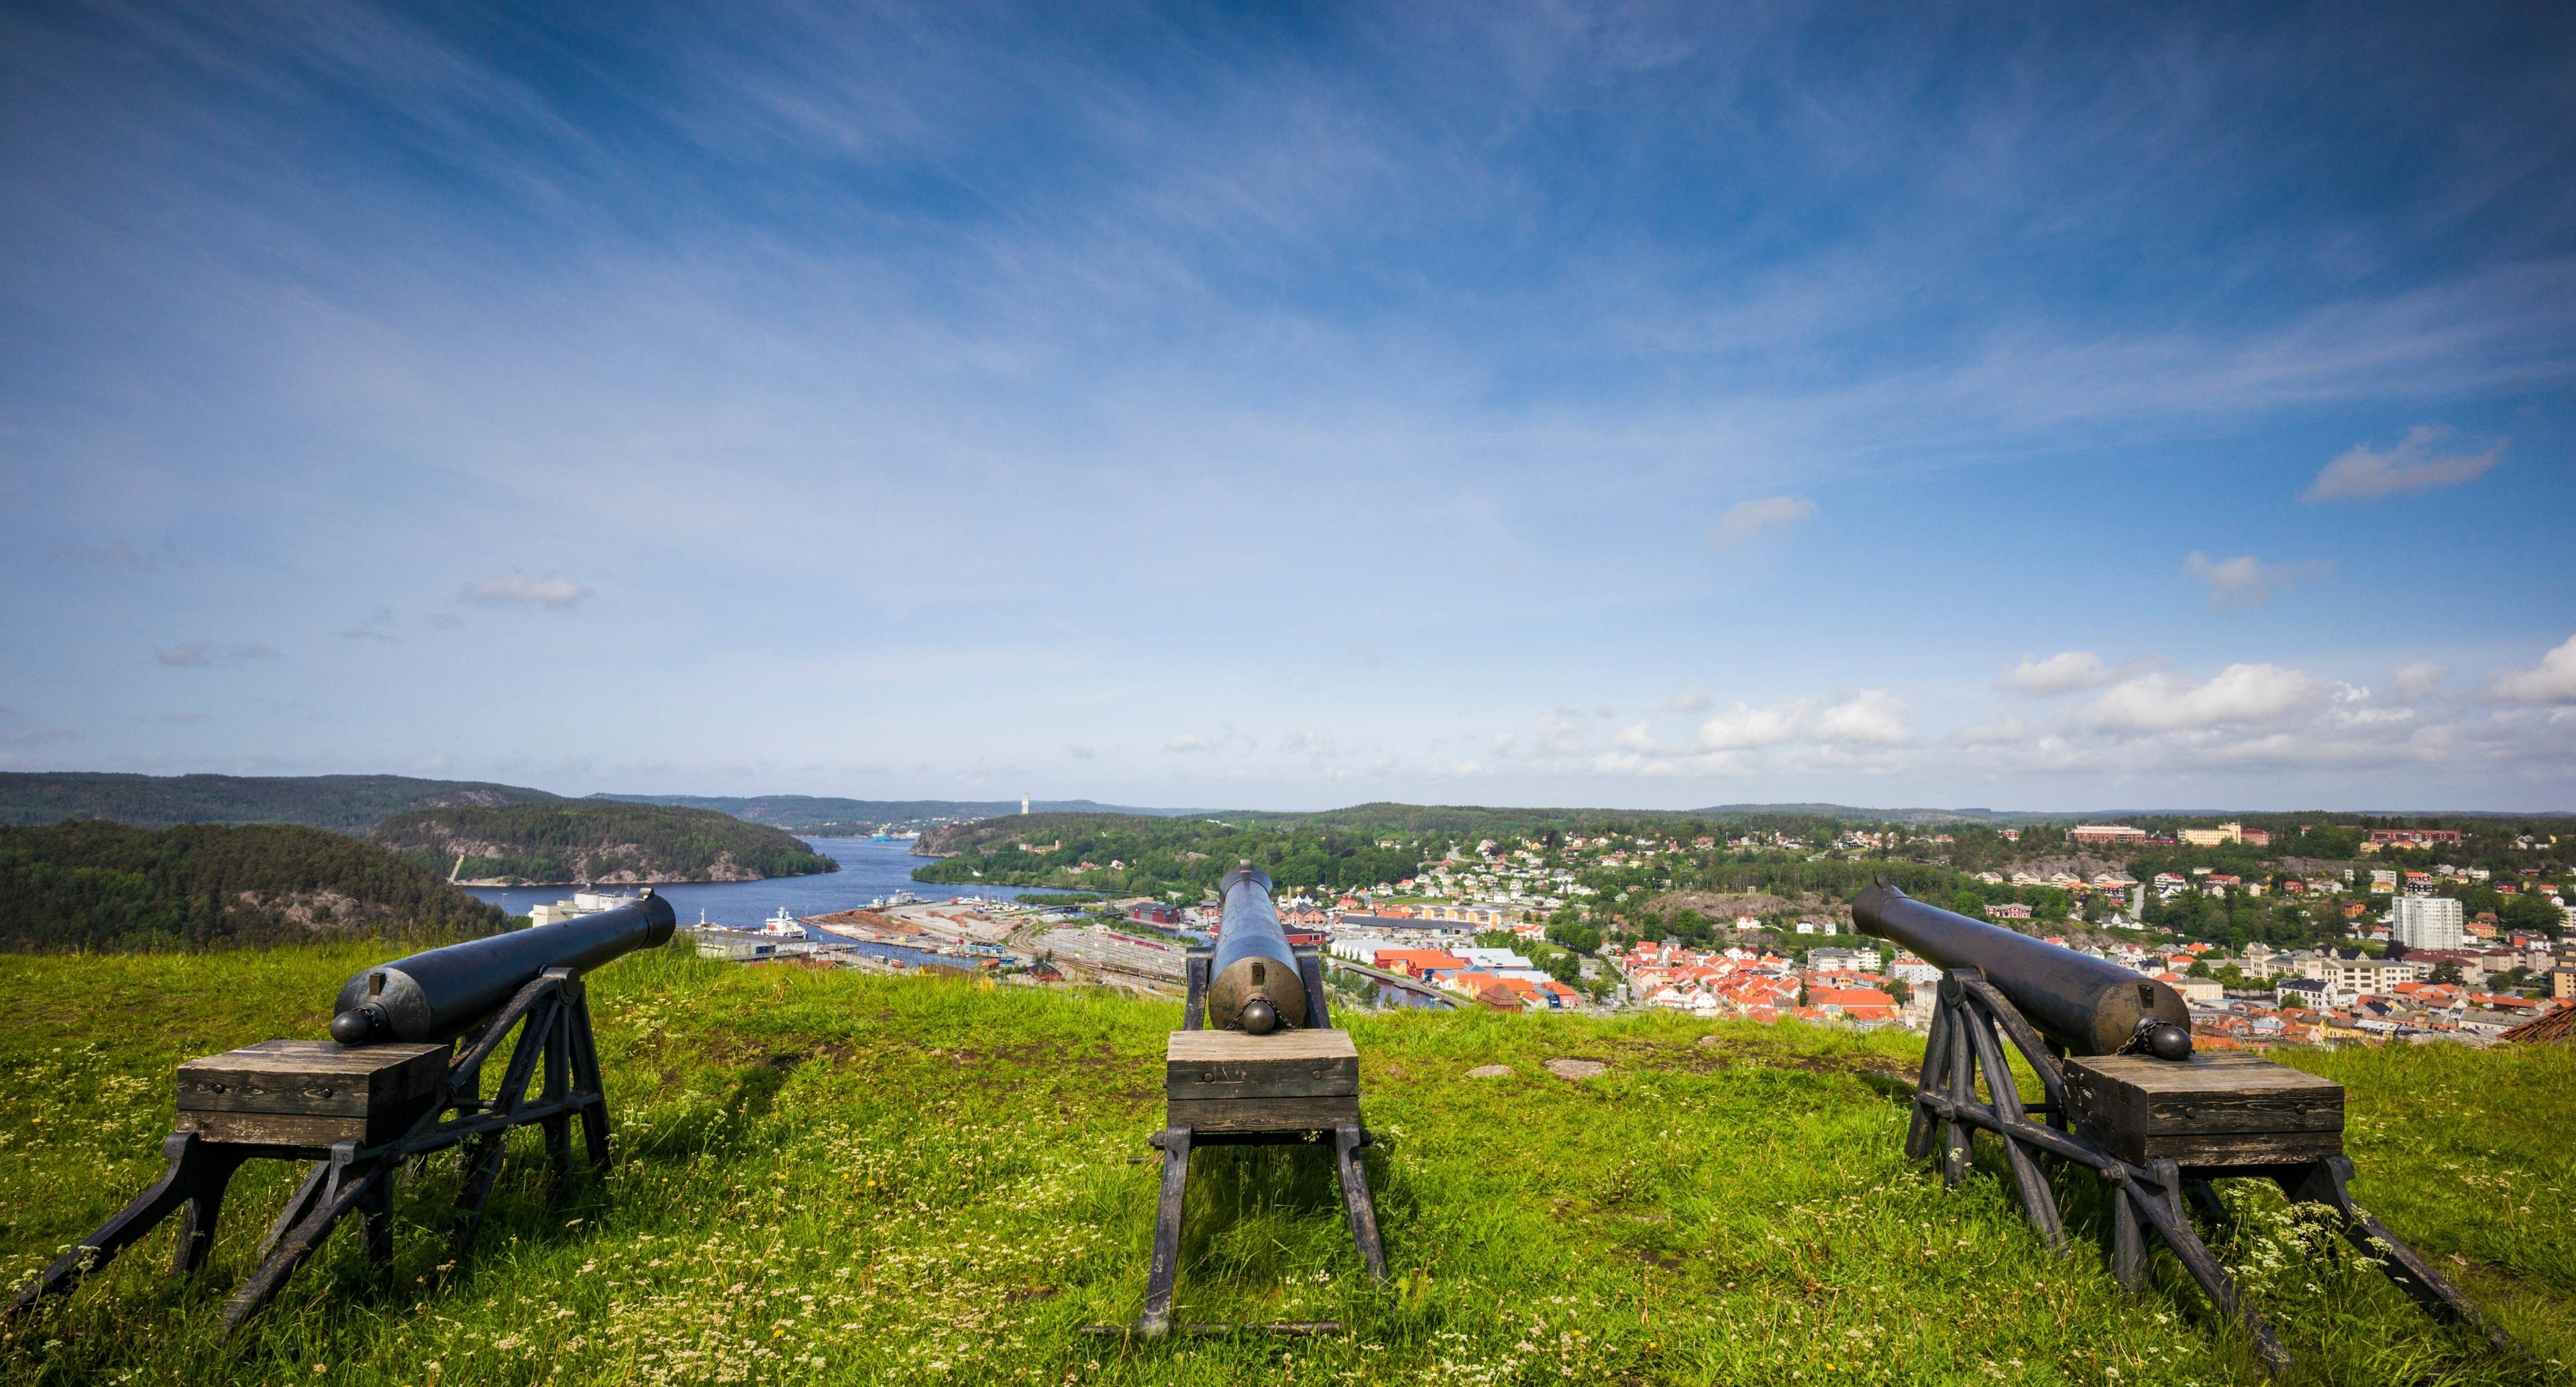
[{"x": 1227, "y": 1081}]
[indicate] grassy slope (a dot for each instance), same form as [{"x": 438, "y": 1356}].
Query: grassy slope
[{"x": 830, "y": 1177}]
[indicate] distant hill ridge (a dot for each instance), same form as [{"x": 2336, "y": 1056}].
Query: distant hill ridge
[
  {"x": 807, "y": 813},
  {"x": 341, "y": 803},
  {"x": 561, "y": 842},
  {"x": 112, "y": 887},
  {"x": 354, "y": 804}
]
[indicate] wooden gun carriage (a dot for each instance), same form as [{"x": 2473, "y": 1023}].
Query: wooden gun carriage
[
  {"x": 1227, "y": 1082},
  {"x": 2154, "y": 1121},
  {"x": 400, "y": 1093}
]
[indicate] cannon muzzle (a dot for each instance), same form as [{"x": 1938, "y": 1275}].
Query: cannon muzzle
[
  {"x": 2091, "y": 1006},
  {"x": 441, "y": 993},
  {"x": 1254, "y": 984}
]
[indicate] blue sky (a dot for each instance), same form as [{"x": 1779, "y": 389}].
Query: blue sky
[{"x": 1468, "y": 403}]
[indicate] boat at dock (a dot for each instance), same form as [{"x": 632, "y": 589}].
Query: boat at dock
[{"x": 783, "y": 926}]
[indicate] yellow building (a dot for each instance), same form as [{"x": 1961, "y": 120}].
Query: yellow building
[{"x": 2212, "y": 837}]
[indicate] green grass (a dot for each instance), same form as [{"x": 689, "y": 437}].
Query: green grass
[{"x": 828, "y": 1177}]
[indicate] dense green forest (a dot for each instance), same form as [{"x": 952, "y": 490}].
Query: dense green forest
[
  {"x": 109, "y": 886},
  {"x": 598, "y": 841},
  {"x": 342, "y": 803},
  {"x": 1130, "y": 853}
]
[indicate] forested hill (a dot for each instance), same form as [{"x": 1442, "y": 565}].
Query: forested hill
[
  {"x": 566, "y": 841},
  {"x": 1131, "y": 852},
  {"x": 342, "y": 803},
  {"x": 823, "y": 813},
  {"x": 110, "y": 886}
]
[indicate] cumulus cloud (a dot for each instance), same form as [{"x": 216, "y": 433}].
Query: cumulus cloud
[
  {"x": 1744, "y": 727},
  {"x": 1189, "y": 743},
  {"x": 1306, "y": 740},
  {"x": 2553, "y": 682},
  {"x": 2417, "y": 679},
  {"x": 1873, "y": 717},
  {"x": 2245, "y": 581},
  {"x": 517, "y": 590},
  {"x": 1639, "y": 737},
  {"x": 206, "y": 654},
  {"x": 1746, "y": 521},
  {"x": 1560, "y": 732},
  {"x": 2413, "y": 465},
  {"x": 2064, "y": 672},
  {"x": 2238, "y": 695}
]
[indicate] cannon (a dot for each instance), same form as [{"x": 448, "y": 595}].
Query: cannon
[
  {"x": 1257, "y": 1061},
  {"x": 439, "y": 994},
  {"x": 390, "y": 1087},
  {"x": 1254, "y": 982},
  {"x": 2088, "y": 1005},
  {"x": 2126, "y": 1095}
]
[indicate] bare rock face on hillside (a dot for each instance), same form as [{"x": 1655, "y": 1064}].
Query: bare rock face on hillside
[
  {"x": 1577, "y": 1070},
  {"x": 1490, "y": 1071},
  {"x": 1715, "y": 904}
]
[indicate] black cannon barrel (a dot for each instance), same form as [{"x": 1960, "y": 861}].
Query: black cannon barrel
[
  {"x": 439, "y": 994},
  {"x": 2091, "y": 1006},
  {"x": 1253, "y": 983}
]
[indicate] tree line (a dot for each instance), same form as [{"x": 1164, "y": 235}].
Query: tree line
[
  {"x": 104, "y": 886},
  {"x": 594, "y": 840}
]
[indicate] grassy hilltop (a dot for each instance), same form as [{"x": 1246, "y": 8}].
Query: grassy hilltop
[{"x": 828, "y": 1177}]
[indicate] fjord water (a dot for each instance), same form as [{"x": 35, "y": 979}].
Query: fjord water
[{"x": 869, "y": 869}]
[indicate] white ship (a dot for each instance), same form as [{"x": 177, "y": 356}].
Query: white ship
[
  {"x": 783, "y": 926},
  {"x": 585, "y": 901}
]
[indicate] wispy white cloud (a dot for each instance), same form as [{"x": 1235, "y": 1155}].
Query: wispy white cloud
[
  {"x": 205, "y": 654},
  {"x": 1191, "y": 744},
  {"x": 2413, "y": 465},
  {"x": 2245, "y": 581},
  {"x": 378, "y": 626},
  {"x": 1306, "y": 741},
  {"x": 518, "y": 590},
  {"x": 1746, "y": 521}
]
